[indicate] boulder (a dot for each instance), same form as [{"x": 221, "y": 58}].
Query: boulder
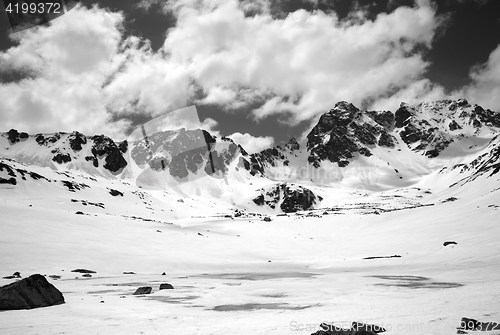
[
  {"x": 15, "y": 275},
  {"x": 166, "y": 286},
  {"x": 143, "y": 290},
  {"x": 32, "y": 292},
  {"x": 448, "y": 243},
  {"x": 470, "y": 324},
  {"x": 357, "y": 328},
  {"x": 115, "y": 192},
  {"x": 83, "y": 271}
]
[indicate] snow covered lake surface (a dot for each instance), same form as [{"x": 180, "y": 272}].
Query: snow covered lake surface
[{"x": 243, "y": 275}]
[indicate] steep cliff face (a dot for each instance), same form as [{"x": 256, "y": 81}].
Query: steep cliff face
[{"x": 345, "y": 131}]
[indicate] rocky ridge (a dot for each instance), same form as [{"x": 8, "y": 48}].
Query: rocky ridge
[{"x": 386, "y": 148}]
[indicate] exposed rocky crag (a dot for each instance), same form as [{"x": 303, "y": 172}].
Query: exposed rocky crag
[
  {"x": 393, "y": 146},
  {"x": 345, "y": 131},
  {"x": 426, "y": 128},
  {"x": 179, "y": 152},
  {"x": 290, "y": 198},
  {"x": 64, "y": 148},
  {"x": 272, "y": 155}
]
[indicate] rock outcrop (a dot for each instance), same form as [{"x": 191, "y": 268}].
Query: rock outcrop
[
  {"x": 290, "y": 198},
  {"x": 345, "y": 131},
  {"x": 32, "y": 292}
]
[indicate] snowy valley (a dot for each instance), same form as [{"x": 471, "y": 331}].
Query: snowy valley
[{"x": 347, "y": 224}]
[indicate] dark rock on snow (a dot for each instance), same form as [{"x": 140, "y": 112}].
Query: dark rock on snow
[
  {"x": 14, "y": 136},
  {"x": 15, "y": 275},
  {"x": 76, "y": 139},
  {"x": 294, "y": 198},
  {"x": 11, "y": 181},
  {"x": 357, "y": 328},
  {"x": 32, "y": 292},
  {"x": 143, "y": 290},
  {"x": 61, "y": 158},
  {"x": 115, "y": 192},
  {"x": 166, "y": 286},
  {"x": 472, "y": 324},
  {"x": 74, "y": 186},
  {"x": 83, "y": 271},
  {"x": 103, "y": 145},
  {"x": 375, "y": 257}
]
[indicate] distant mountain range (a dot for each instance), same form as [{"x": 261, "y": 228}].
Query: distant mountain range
[{"x": 348, "y": 148}]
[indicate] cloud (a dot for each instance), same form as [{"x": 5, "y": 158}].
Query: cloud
[
  {"x": 86, "y": 75},
  {"x": 301, "y": 65},
  {"x": 251, "y": 143},
  {"x": 417, "y": 91},
  {"x": 485, "y": 86},
  {"x": 68, "y": 59}
]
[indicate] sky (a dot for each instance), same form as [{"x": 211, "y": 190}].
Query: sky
[{"x": 258, "y": 71}]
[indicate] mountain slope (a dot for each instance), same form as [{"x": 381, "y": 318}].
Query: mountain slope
[
  {"x": 377, "y": 150},
  {"x": 349, "y": 149}
]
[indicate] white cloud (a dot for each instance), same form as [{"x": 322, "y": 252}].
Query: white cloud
[
  {"x": 251, "y": 143},
  {"x": 485, "y": 87},
  {"x": 87, "y": 73},
  {"x": 483, "y": 90},
  {"x": 70, "y": 59},
  {"x": 417, "y": 91},
  {"x": 304, "y": 63}
]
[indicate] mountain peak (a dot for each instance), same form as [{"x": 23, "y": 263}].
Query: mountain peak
[{"x": 293, "y": 144}]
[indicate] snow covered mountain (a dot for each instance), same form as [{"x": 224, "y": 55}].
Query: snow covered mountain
[
  {"x": 379, "y": 150},
  {"x": 390, "y": 209},
  {"x": 348, "y": 148}
]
